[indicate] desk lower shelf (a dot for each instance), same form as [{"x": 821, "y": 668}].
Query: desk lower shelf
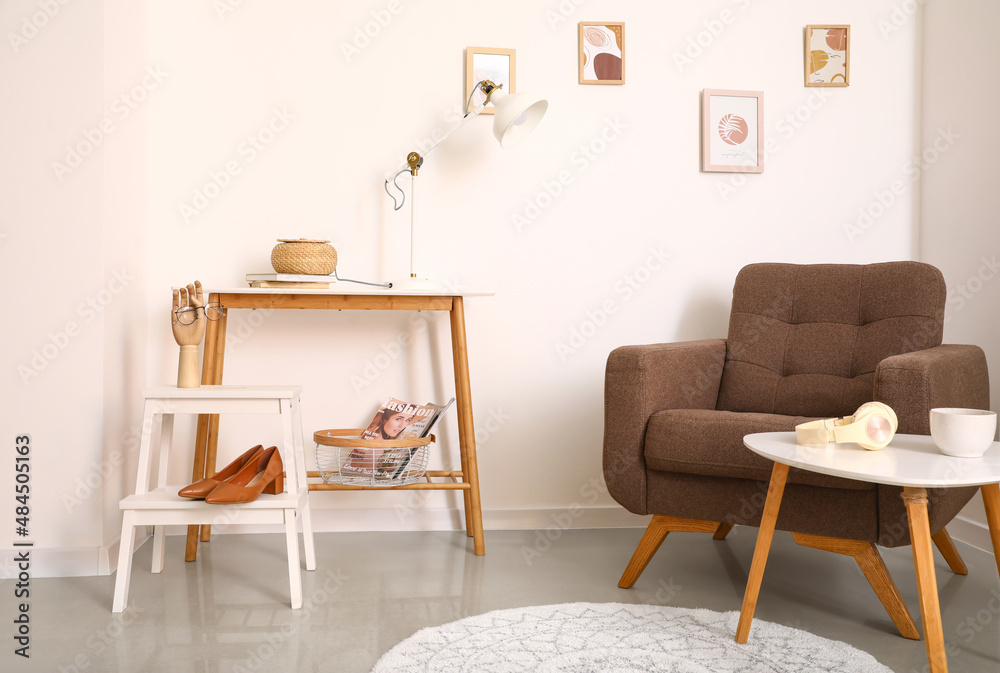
[{"x": 453, "y": 485}]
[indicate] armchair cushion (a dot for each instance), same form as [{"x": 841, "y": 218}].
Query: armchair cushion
[{"x": 710, "y": 443}]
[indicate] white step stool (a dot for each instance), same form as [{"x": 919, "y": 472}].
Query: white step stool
[{"x": 160, "y": 505}]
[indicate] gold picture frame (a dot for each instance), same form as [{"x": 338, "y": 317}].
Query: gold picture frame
[
  {"x": 828, "y": 55},
  {"x": 601, "y": 52},
  {"x": 497, "y": 65}
]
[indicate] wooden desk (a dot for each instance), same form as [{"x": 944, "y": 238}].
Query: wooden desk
[{"x": 347, "y": 298}]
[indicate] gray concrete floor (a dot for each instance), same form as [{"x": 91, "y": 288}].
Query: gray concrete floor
[{"x": 229, "y": 610}]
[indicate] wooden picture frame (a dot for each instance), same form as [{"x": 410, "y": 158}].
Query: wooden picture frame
[
  {"x": 601, "y": 52},
  {"x": 732, "y": 131},
  {"x": 497, "y": 65},
  {"x": 828, "y": 55}
]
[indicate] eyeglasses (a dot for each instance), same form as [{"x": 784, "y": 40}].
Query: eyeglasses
[{"x": 187, "y": 315}]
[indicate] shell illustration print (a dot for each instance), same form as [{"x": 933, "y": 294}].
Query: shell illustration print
[
  {"x": 601, "y": 53},
  {"x": 733, "y": 129}
]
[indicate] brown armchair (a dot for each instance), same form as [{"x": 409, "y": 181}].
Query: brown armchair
[{"x": 805, "y": 342}]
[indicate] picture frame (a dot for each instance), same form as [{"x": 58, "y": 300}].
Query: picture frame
[
  {"x": 497, "y": 65},
  {"x": 732, "y": 131},
  {"x": 601, "y": 52},
  {"x": 828, "y": 55}
]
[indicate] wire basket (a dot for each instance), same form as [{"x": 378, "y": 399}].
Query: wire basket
[{"x": 342, "y": 457}]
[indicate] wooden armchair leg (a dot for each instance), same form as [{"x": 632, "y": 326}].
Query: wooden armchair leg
[
  {"x": 656, "y": 532},
  {"x": 722, "y": 531},
  {"x": 944, "y": 543},
  {"x": 870, "y": 561}
]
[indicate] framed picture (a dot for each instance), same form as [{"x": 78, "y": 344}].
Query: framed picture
[
  {"x": 602, "y": 52},
  {"x": 496, "y": 65},
  {"x": 828, "y": 55},
  {"x": 732, "y": 131}
]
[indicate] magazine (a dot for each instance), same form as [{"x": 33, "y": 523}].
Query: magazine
[
  {"x": 394, "y": 419},
  {"x": 394, "y": 461}
]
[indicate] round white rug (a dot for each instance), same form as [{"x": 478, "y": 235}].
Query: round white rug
[{"x": 618, "y": 638}]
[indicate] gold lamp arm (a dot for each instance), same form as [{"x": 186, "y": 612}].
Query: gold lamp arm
[{"x": 488, "y": 88}]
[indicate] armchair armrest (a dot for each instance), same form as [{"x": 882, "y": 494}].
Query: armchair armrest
[
  {"x": 639, "y": 381},
  {"x": 949, "y": 375},
  {"x": 912, "y": 384}
]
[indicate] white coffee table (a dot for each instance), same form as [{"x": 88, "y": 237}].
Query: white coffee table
[{"x": 910, "y": 461}]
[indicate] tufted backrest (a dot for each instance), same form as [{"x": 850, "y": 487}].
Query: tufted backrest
[{"x": 804, "y": 340}]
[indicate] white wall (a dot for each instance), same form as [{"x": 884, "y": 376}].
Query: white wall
[
  {"x": 959, "y": 231},
  {"x": 345, "y": 121},
  {"x": 354, "y": 118},
  {"x": 53, "y": 250},
  {"x": 72, "y": 234}
]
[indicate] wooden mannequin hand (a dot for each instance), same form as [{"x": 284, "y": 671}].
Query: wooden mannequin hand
[{"x": 189, "y": 300}]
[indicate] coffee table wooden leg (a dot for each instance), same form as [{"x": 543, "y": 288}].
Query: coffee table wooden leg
[
  {"x": 991, "y": 498},
  {"x": 770, "y": 517},
  {"x": 923, "y": 559}
]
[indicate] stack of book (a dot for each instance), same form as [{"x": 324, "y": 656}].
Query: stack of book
[{"x": 290, "y": 280}]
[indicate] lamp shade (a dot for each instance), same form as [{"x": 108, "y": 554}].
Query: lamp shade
[{"x": 516, "y": 115}]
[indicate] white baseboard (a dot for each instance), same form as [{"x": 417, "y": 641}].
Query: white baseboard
[
  {"x": 68, "y": 562},
  {"x": 971, "y": 532},
  {"x": 90, "y": 561},
  {"x": 608, "y": 516},
  {"x": 425, "y": 519}
]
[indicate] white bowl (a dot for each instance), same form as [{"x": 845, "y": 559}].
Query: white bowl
[{"x": 965, "y": 433}]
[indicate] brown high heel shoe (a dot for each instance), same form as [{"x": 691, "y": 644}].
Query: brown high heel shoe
[
  {"x": 203, "y": 487},
  {"x": 262, "y": 474}
]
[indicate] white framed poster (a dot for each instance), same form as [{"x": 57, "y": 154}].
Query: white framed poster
[{"x": 732, "y": 131}]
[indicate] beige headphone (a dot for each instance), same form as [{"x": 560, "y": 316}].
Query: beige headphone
[{"x": 871, "y": 427}]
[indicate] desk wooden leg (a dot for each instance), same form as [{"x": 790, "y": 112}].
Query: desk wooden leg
[
  {"x": 923, "y": 559},
  {"x": 462, "y": 424},
  {"x": 764, "y": 535},
  {"x": 197, "y": 472},
  {"x": 211, "y": 453},
  {"x": 207, "y": 437},
  {"x": 991, "y": 499},
  {"x": 466, "y": 427}
]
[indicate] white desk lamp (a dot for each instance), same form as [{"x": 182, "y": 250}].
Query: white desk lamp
[{"x": 516, "y": 115}]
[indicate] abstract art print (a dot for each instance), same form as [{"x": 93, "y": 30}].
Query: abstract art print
[
  {"x": 496, "y": 65},
  {"x": 602, "y": 52},
  {"x": 732, "y": 131},
  {"x": 828, "y": 55}
]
